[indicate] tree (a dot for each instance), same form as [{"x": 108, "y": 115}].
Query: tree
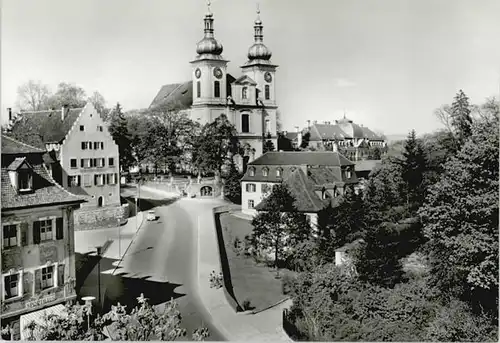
[
  {"x": 460, "y": 218},
  {"x": 414, "y": 166},
  {"x": 232, "y": 184},
  {"x": 281, "y": 227},
  {"x": 305, "y": 140},
  {"x": 284, "y": 144},
  {"x": 143, "y": 323},
  {"x": 118, "y": 128},
  {"x": 279, "y": 122},
  {"x": 268, "y": 145},
  {"x": 33, "y": 96},
  {"x": 376, "y": 154},
  {"x": 69, "y": 95},
  {"x": 215, "y": 146},
  {"x": 461, "y": 119},
  {"x": 99, "y": 103}
]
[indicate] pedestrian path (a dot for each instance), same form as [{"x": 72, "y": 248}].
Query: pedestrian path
[{"x": 263, "y": 326}]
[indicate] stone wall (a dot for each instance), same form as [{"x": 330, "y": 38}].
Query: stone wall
[{"x": 99, "y": 218}]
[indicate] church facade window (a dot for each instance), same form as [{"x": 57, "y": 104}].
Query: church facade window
[
  {"x": 245, "y": 123},
  {"x": 268, "y": 126},
  {"x": 244, "y": 93},
  {"x": 217, "y": 89},
  {"x": 267, "y": 92},
  {"x": 198, "y": 89}
]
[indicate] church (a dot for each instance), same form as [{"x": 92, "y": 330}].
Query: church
[{"x": 248, "y": 101}]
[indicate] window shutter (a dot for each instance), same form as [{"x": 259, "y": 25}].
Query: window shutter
[
  {"x": 79, "y": 180},
  {"x": 60, "y": 274},
  {"x": 81, "y": 163},
  {"x": 27, "y": 282},
  {"x": 247, "y": 187},
  {"x": 38, "y": 280},
  {"x": 107, "y": 178},
  {"x": 59, "y": 228},
  {"x": 36, "y": 232},
  {"x": 83, "y": 145},
  {"x": 24, "y": 234},
  {"x": 95, "y": 180}
]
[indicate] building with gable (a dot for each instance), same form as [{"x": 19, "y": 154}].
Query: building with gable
[
  {"x": 38, "y": 258},
  {"x": 354, "y": 141},
  {"x": 248, "y": 101},
  {"x": 316, "y": 179},
  {"x": 81, "y": 155}
]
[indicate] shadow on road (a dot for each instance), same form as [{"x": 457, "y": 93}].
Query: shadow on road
[{"x": 146, "y": 204}]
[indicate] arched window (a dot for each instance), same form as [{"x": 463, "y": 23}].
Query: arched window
[
  {"x": 198, "y": 89},
  {"x": 323, "y": 193},
  {"x": 244, "y": 93},
  {"x": 278, "y": 172},
  {"x": 251, "y": 171},
  {"x": 267, "y": 92},
  {"x": 245, "y": 123},
  {"x": 217, "y": 89},
  {"x": 265, "y": 172}
]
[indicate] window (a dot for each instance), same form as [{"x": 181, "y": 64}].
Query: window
[
  {"x": 72, "y": 163},
  {"x": 278, "y": 172},
  {"x": 244, "y": 93},
  {"x": 267, "y": 92},
  {"x": 323, "y": 193},
  {"x": 251, "y": 187},
  {"x": 85, "y": 145},
  {"x": 99, "y": 180},
  {"x": 46, "y": 230},
  {"x": 265, "y": 172},
  {"x": 198, "y": 89},
  {"x": 59, "y": 228},
  {"x": 99, "y": 128},
  {"x": 251, "y": 172},
  {"x": 268, "y": 126},
  {"x": 245, "y": 123},
  {"x": 82, "y": 128},
  {"x": 99, "y": 162},
  {"x": 85, "y": 162},
  {"x": 25, "y": 180},
  {"x": 12, "y": 285},
  {"x": 111, "y": 179},
  {"x": 217, "y": 89},
  {"x": 265, "y": 188},
  {"x": 348, "y": 173},
  {"x": 87, "y": 180},
  {"x": 251, "y": 204},
  {"x": 74, "y": 181},
  {"x": 111, "y": 162},
  {"x": 102, "y": 145},
  {"x": 48, "y": 277},
  {"x": 90, "y": 145},
  {"x": 9, "y": 235}
]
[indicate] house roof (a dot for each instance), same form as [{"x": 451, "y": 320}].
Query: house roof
[
  {"x": 344, "y": 128},
  {"x": 40, "y": 127},
  {"x": 302, "y": 189},
  {"x": 326, "y": 131},
  {"x": 181, "y": 94},
  {"x": 366, "y": 165},
  {"x": 15, "y": 147},
  {"x": 16, "y": 164},
  {"x": 45, "y": 192},
  {"x": 292, "y": 135},
  {"x": 323, "y": 158},
  {"x": 325, "y": 176}
]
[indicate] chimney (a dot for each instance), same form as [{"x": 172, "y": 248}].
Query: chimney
[
  {"x": 63, "y": 112},
  {"x": 315, "y": 122},
  {"x": 308, "y": 124},
  {"x": 10, "y": 113},
  {"x": 297, "y": 129}
]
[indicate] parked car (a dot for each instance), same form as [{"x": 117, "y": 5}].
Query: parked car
[{"x": 151, "y": 215}]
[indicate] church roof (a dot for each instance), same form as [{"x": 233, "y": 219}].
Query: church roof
[
  {"x": 40, "y": 127},
  {"x": 181, "y": 94}
]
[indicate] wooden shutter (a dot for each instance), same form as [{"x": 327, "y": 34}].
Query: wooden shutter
[
  {"x": 83, "y": 145},
  {"x": 36, "y": 232},
  {"x": 60, "y": 275},
  {"x": 81, "y": 163},
  {"x": 95, "y": 179},
  {"x": 38, "y": 280},
  {"x": 79, "y": 180},
  {"x": 59, "y": 228},
  {"x": 24, "y": 234}
]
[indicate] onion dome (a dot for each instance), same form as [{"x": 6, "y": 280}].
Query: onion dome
[
  {"x": 258, "y": 51},
  {"x": 209, "y": 45}
]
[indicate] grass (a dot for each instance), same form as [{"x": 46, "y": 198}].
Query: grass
[{"x": 254, "y": 285}]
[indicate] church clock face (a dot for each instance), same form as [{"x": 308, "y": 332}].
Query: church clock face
[
  {"x": 268, "y": 77},
  {"x": 218, "y": 73},
  {"x": 197, "y": 73}
]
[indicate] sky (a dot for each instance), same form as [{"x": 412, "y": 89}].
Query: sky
[{"x": 386, "y": 64}]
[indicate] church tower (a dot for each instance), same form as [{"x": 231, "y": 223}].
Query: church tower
[
  {"x": 209, "y": 76},
  {"x": 260, "y": 69}
]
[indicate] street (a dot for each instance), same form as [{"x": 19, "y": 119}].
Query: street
[{"x": 162, "y": 263}]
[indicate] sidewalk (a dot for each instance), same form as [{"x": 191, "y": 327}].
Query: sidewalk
[
  {"x": 264, "y": 326},
  {"x": 114, "y": 240}
]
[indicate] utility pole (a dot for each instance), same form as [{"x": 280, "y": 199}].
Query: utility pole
[{"x": 99, "y": 250}]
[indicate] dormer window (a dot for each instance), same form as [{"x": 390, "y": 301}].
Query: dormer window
[
  {"x": 244, "y": 93},
  {"x": 279, "y": 172},
  {"x": 25, "y": 180},
  {"x": 324, "y": 194},
  {"x": 251, "y": 172},
  {"x": 265, "y": 172},
  {"x": 348, "y": 173}
]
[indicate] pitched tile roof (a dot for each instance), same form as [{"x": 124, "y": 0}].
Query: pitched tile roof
[
  {"x": 322, "y": 177},
  {"x": 302, "y": 189},
  {"x": 291, "y": 135},
  {"x": 325, "y": 131},
  {"x": 366, "y": 165},
  {"x": 38, "y": 128},
  {"x": 323, "y": 158},
  {"x": 181, "y": 94},
  {"x": 344, "y": 128},
  {"x": 16, "y": 163},
  {"x": 13, "y": 146}
]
